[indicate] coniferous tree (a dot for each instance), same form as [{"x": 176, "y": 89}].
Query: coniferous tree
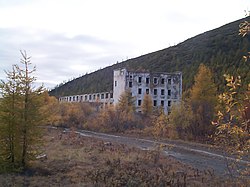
[
  {"x": 126, "y": 102},
  {"x": 203, "y": 101},
  {"x": 182, "y": 118},
  {"x": 20, "y": 116},
  {"x": 160, "y": 125},
  {"x": 10, "y": 118},
  {"x": 125, "y": 110},
  {"x": 147, "y": 105}
]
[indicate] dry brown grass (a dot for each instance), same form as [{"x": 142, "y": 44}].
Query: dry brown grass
[{"x": 73, "y": 160}]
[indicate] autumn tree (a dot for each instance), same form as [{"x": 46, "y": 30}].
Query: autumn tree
[
  {"x": 126, "y": 106},
  {"x": 232, "y": 127},
  {"x": 9, "y": 121},
  {"x": 203, "y": 101},
  {"x": 126, "y": 102},
  {"x": 147, "y": 105},
  {"x": 19, "y": 116},
  {"x": 50, "y": 109},
  {"x": 182, "y": 118},
  {"x": 71, "y": 114},
  {"x": 125, "y": 110},
  {"x": 160, "y": 125}
]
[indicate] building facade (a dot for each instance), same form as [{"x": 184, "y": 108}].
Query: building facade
[{"x": 164, "y": 88}]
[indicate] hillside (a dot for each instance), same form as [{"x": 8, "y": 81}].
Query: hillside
[{"x": 220, "y": 49}]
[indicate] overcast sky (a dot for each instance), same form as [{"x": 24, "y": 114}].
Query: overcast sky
[{"x": 67, "y": 38}]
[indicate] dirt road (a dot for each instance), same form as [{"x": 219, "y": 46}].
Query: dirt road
[{"x": 197, "y": 155}]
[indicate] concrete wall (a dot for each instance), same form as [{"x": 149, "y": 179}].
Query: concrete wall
[{"x": 119, "y": 83}]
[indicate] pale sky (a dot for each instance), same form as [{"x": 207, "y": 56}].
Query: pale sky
[{"x": 68, "y": 38}]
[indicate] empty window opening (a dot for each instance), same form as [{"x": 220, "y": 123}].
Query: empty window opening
[
  {"x": 162, "y": 92},
  {"x": 155, "y": 80},
  {"x": 169, "y": 92},
  {"x": 139, "y": 102},
  {"x": 139, "y": 79},
  {"x": 139, "y": 90},
  {"x": 155, "y": 91},
  {"x": 169, "y": 81},
  {"x": 162, "y": 81}
]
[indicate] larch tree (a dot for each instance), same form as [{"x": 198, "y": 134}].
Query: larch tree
[
  {"x": 147, "y": 105},
  {"x": 160, "y": 125},
  {"x": 203, "y": 100},
  {"x": 125, "y": 110},
  {"x": 9, "y": 121},
  {"x": 20, "y": 116},
  {"x": 182, "y": 118},
  {"x": 126, "y": 102}
]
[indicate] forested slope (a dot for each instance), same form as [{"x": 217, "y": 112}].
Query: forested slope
[{"x": 220, "y": 49}]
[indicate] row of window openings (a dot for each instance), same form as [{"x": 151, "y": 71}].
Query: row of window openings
[
  {"x": 155, "y": 80},
  {"x": 155, "y": 91},
  {"x": 90, "y": 97},
  {"x": 147, "y": 81},
  {"x": 155, "y": 103}
]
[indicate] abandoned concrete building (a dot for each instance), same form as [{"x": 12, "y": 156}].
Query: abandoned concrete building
[{"x": 165, "y": 89}]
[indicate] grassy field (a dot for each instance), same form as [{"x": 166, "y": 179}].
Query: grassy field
[{"x": 74, "y": 160}]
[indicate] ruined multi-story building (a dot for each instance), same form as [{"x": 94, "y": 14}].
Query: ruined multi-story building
[{"x": 164, "y": 88}]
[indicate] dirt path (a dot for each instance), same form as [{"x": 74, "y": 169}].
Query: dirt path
[{"x": 201, "y": 157}]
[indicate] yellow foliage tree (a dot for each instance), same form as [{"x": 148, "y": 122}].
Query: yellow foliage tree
[
  {"x": 126, "y": 109},
  {"x": 182, "y": 118},
  {"x": 20, "y": 116},
  {"x": 203, "y": 101},
  {"x": 126, "y": 102},
  {"x": 160, "y": 125},
  {"x": 232, "y": 127},
  {"x": 147, "y": 105}
]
